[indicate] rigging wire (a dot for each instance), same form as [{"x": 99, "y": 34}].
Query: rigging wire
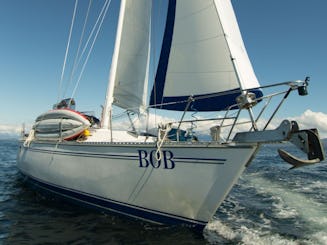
[
  {"x": 193, "y": 115},
  {"x": 75, "y": 65},
  {"x": 93, "y": 29},
  {"x": 67, "y": 49},
  {"x": 107, "y": 4},
  {"x": 91, "y": 35}
]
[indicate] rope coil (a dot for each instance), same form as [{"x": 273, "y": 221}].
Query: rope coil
[{"x": 30, "y": 138}]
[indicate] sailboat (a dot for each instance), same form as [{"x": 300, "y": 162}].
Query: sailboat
[{"x": 166, "y": 174}]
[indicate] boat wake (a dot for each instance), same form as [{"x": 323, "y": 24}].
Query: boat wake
[
  {"x": 285, "y": 215},
  {"x": 217, "y": 230}
]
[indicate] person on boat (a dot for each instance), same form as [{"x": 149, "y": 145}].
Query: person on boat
[{"x": 68, "y": 103}]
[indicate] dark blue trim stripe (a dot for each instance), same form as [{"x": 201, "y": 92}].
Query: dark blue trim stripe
[
  {"x": 199, "y": 160},
  {"x": 158, "y": 87},
  {"x": 135, "y": 157},
  {"x": 88, "y": 154},
  {"x": 212, "y": 103},
  {"x": 108, "y": 205}
]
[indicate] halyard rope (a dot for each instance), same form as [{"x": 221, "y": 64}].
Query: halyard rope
[{"x": 162, "y": 134}]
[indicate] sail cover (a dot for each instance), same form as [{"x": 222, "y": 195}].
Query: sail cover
[
  {"x": 130, "y": 81},
  {"x": 202, "y": 55}
]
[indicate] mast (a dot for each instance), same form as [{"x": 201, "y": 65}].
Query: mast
[
  {"x": 142, "y": 108},
  {"x": 107, "y": 110}
]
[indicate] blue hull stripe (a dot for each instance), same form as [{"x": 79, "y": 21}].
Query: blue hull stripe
[
  {"x": 134, "y": 158},
  {"x": 115, "y": 206}
]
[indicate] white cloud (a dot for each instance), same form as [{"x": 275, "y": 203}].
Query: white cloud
[
  {"x": 10, "y": 130},
  {"x": 307, "y": 120},
  {"x": 154, "y": 120},
  {"x": 310, "y": 119}
]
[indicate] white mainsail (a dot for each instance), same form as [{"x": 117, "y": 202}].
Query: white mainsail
[
  {"x": 202, "y": 54},
  {"x": 128, "y": 75}
]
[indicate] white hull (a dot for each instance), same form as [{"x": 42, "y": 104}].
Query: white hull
[{"x": 187, "y": 186}]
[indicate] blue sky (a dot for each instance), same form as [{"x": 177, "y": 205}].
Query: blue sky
[{"x": 285, "y": 39}]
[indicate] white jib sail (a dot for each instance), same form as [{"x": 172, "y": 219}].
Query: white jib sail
[
  {"x": 234, "y": 39},
  {"x": 128, "y": 74},
  {"x": 206, "y": 38},
  {"x": 207, "y": 53}
]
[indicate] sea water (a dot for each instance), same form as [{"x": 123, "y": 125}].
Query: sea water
[{"x": 269, "y": 205}]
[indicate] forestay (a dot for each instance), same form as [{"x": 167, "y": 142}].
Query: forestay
[{"x": 202, "y": 54}]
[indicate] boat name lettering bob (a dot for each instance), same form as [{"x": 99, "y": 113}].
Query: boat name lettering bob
[{"x": 147, "y": 159}]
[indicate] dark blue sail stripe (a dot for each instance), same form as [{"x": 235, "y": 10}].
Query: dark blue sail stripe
[
  {"x": 178, "y": 103},
  {"x": 213, "y": 102},
  {"x": 158, "y": 87}
]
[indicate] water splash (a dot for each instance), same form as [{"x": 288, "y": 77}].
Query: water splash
[
  {"x": 290, "y": 203},
  {"x": 216, "y": 230}
]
